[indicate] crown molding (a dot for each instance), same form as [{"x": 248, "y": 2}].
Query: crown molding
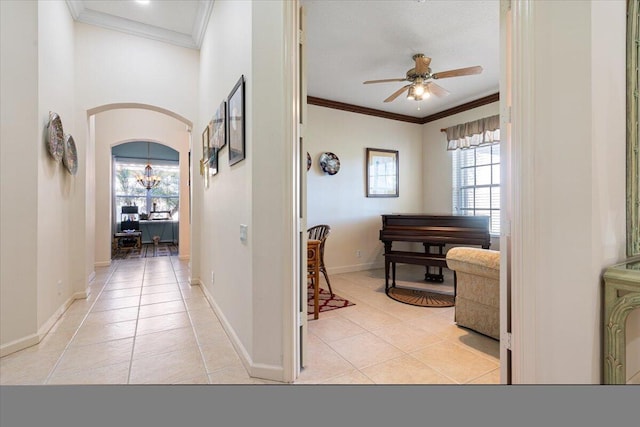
[
  {"x": 312, "y": 100},
  {"x": 321, "y": 102},
  {"x": 202, "y": 19},
  {"x": 192, "y": 41},
  {"x": 494, "y": 97},
  {"x": 75, "y": 7}
]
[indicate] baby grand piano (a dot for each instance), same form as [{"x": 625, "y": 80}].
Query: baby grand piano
[{"x": 434, "y": 232}]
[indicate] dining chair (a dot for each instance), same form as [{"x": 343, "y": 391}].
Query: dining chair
[{"x": 320, "y": 232}]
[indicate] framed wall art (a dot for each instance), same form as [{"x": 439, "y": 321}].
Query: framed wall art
[
  {"x": 219, "y": 127},
  {"x": 236, "y": 127},
  {"x": 382, "y": 173},
  {"x": 205, "y": 151},
  {"x": 212, "y": 163}
]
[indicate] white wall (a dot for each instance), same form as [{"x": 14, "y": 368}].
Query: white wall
[
  {"x": 20, "y": 141},
  {"x": 438, "y": 173},
  {"x": 246, "y": 38},
  {"x": 608, "y": 224},
  {"x": 574, "y": 217},
  {"x": 117, "y": 68},
  {"x": 227, "y": 202},
  {"x": 59, "y": 253},
  {"x": 125, "y": 124},
  {"x": 340, "y": 200}
]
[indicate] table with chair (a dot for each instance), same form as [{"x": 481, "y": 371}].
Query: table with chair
[
  {"x": 129, "y": 234},
  {"x": 317, "y": 236}
]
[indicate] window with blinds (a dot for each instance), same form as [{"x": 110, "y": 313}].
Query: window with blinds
[
  {"x": 476, "y": 183},
  {"x": 128, "y": 192}
]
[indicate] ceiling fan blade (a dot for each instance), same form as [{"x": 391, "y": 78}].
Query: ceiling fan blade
[
  {"x": 459, "y": 72},
  {"x": 437, "y": 90},
  {"x": 397, "y": 93},
  {"x": 383, "y": 81},
  {"x": 422, "y": 64}
]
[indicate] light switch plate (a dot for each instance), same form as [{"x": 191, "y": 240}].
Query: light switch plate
[{"x": 243, "y": 232}]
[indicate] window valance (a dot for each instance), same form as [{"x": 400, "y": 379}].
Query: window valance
[{"x": 473, "y": 134}]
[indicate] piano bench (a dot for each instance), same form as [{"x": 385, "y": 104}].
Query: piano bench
[{"x": 417, "y": 258}]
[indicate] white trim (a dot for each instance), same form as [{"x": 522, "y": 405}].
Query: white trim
[
  {"x": 101, "y": 264},
  {"x": 19, "y": 344},
  {"x": 76, "y": 7},
  {"x": 506, "y": 188},
  {"x": 184, "y": 257},
  {"x": 291, "y": 287},
  {"x": 355, "y": 267},
  {"x": 524, "y": 240},
  {"x": 258, "y": 370},
  {"x": 135, "y": 28},
  {"x": 205, "y": 8},
  {"x": 33, "y": 339}
]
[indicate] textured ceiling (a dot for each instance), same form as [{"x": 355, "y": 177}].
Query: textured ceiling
[{"x": 349, "y": 42}]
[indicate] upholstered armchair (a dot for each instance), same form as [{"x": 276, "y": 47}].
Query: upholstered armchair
[{"x": 477, "y": 275}]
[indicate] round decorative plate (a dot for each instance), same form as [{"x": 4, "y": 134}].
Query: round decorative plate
[
  {"x": 70, "y": 158},
  {"x": 308, "y": 161},
  {"x": 330, "y": 163},
  {"x": 55, "y": 137}
]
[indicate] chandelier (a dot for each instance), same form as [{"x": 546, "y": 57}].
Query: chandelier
[{"x": 148, "y": 180}]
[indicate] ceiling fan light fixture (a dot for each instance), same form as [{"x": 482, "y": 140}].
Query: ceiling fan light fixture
[
  {"x": 411, "y": 95},
  {"x": 418, "y": 88}
]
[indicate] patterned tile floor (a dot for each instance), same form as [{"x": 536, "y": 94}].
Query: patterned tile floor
[{"x": 144, "y": 324}]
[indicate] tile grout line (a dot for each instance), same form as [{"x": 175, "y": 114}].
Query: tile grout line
[
  {"x": 135, "y": 330},
  {"x": 193, "y": 329},
  {"x": 66, "y": 347}
]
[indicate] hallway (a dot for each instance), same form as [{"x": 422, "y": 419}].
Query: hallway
[
  {"x": 141, "y": 324},
  {"x": 144, "y": 324}
]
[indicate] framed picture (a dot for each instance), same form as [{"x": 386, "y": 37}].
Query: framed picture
[
  {"x": 219, "y": 127},
  {"x": 235, "y": 117},
  {"x": 382, "y": 173},
  {"x": 205, "y": 150},
  {"x": 212, "y": 163}
]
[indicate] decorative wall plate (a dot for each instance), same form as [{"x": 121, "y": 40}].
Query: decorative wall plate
[
  {"x": 55, "y": 137},
  {"x": 330, "y": 163},
  {"x": 308, "y": 161},
  {"x": 70, "y": 158}
]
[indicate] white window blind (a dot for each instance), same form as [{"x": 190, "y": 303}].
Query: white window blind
[{"x": 476, "y": 183}]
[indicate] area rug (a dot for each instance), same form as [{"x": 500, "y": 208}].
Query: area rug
[
  {"x": 420, "y": 298},
  {"x": 148, "y": 250},
  {"x": 326, "y": 302}
]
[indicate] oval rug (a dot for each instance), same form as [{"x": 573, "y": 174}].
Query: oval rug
[{"x": 420, "y": 298}]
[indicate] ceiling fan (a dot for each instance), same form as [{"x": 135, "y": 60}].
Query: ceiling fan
[{"x": 421, "y": 87}]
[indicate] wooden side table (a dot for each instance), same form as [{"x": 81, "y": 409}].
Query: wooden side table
[
  {"x": 621, "y": 296},
  {"x": 313, "y": 271}
]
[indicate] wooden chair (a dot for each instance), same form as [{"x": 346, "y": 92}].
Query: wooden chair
[{"x": 320, "y": 232}]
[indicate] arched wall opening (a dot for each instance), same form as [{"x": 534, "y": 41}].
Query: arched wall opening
[{"x": 112, "y": 125}]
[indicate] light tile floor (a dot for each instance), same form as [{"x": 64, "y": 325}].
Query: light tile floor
[{"x": 144, "y": 324}]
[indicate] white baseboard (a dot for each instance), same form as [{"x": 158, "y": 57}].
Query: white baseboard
[
  {"x": 186, "y": 257},
  {"x": 19, "y": 344},
  {"x": 355, "y": 267},
  {"x": 33, "y": 339},
  {"x": 102, "y": 264},
  {"x": 257, "y": 370}
]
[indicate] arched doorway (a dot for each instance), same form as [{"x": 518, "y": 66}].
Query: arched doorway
[{"x": 112, "y": 125}]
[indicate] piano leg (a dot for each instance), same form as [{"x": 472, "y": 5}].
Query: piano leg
[
  {"x": 433, "y": 277},
  {"x": 386, "y": 274},
  {"x": 393, "y": 267}
]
